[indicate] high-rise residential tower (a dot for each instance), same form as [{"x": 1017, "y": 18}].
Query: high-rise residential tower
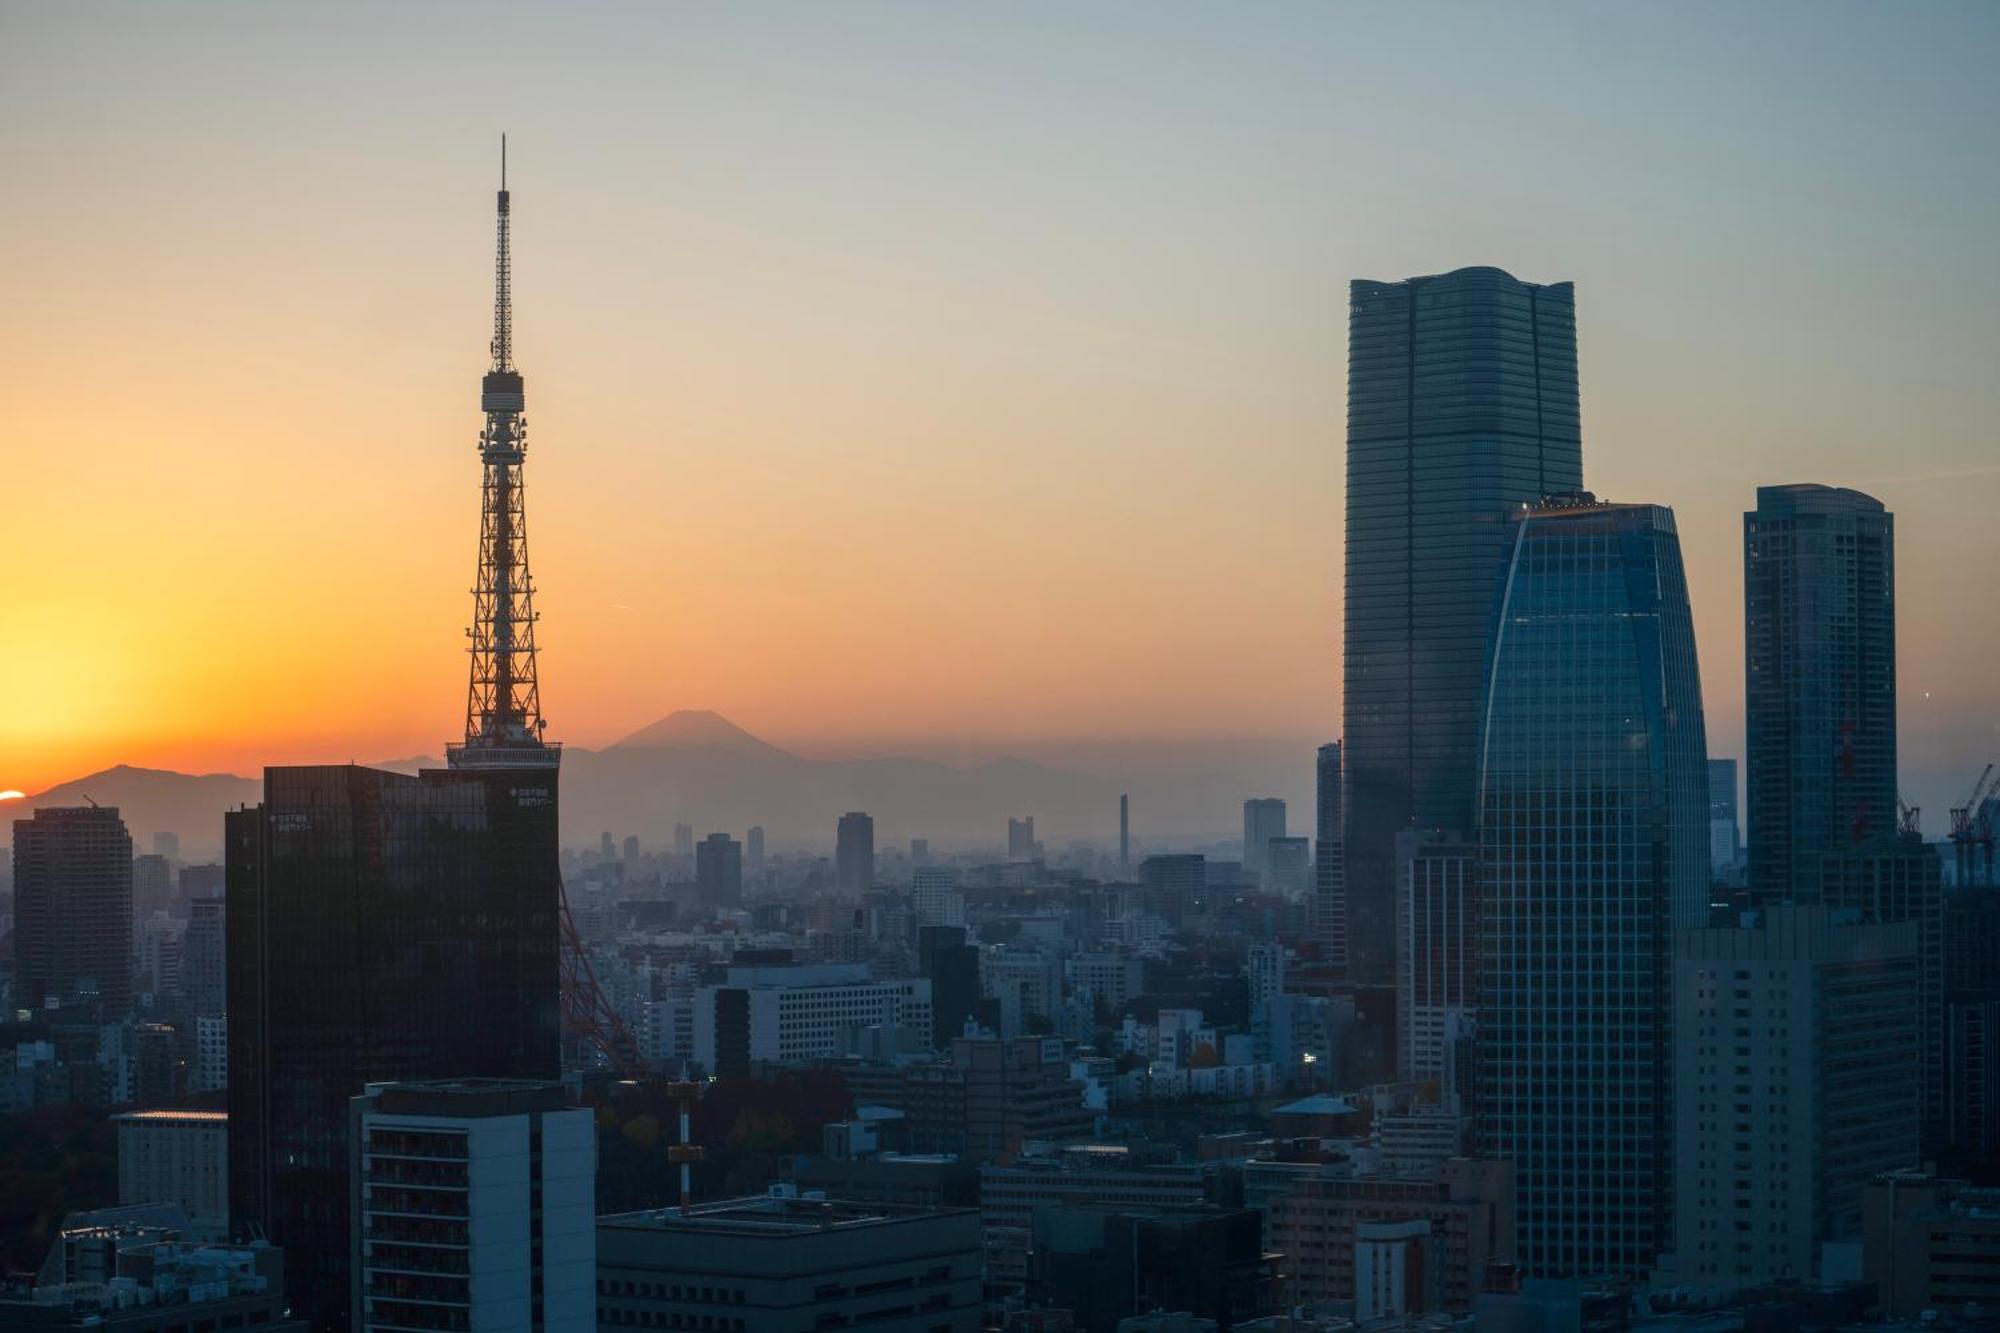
[
  {"x": 854, "y": 854},
  {"x": 73, "y": 909},
  {"x": 1819, "y": 609},
  {"x": 1461, "y": 407},
  {"x": 718, "y": 870},
  {"x": 1593, "y": 842}
]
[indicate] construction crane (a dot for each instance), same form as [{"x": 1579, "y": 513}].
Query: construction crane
[
  {"x": 1972, "y": 831},
  {"x": 1907, "y": 818}
]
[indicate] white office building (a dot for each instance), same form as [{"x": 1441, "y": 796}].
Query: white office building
[
  {"x": 788, "y": 1014},
  {"x": 474, "y": 1205},
  {"x": 177, "y": 1157}
]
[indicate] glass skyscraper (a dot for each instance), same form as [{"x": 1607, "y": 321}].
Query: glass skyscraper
[
  {"x": 1593, "y": 847},
  {"x": 1461, "y": 406},
  {"x": 1819, "y": 609},
  {"x": 380, "y": 927}
]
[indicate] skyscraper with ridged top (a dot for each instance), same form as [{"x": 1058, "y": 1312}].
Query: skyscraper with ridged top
[{"x": 1461, "y": 407}]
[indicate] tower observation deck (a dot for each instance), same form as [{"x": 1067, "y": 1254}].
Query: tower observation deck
[{"x": 503, "y": 707}]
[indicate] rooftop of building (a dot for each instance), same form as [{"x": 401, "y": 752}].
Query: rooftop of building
[
  {"x": 1322, "y": 1103},
  {"x": 775, "y": 1216},
  {"x": 467, "y": 1098},
  {"x": 212, "y": 1119}
]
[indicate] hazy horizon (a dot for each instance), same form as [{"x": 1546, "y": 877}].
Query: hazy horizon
[{"x": 914, "y": 380}]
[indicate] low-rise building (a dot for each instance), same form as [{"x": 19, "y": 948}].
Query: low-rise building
[
  {"x": 1929, "y": 1243},
  {"x": 1468, "y": 1205},
  {"x": 177, "y": 1157},
  {"x": 1099, "y": 1174},
  {"x": 129, "y": 1280},
  {"x": 782, "y": 1263}
]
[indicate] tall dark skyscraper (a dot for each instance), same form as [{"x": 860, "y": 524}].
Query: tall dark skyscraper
[
  {"x": 73, "y": 909},
  {"x": 854, "y": 854},
  {"x": 1819, "y": 606},
  {"x": 718, "y": 870},
  {"x": 1461, "y": 407},
  {"x": 379, "y": 927},
  {"x": 384, "y": 927},
  {"x": 1329, "y": 865},
  {"x": 1593, "y": 848}
]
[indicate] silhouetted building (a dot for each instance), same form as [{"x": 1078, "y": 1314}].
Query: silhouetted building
[
  {"x": 1461, "y": 406},
  {"x": 753, "y": 847},
  {"x": 1819, "y": 610},
  {"x": 854, "y": 854},
  {"x": 1263, "y": 820},
  {"x": 73, "y": 909},
  {"x": 718, "y": 870},
  {"x": 1725, "y": 839},
  {"x": 1972, "y": 1024},
  {"x": 1106, "y": 1263},
  {"x": 1021, "y": 844},
  {"x": 381, "y": 927},
  {"x": 952, "y": 966},
  {"x": 1124, "y": 835},
  {"x": 683, "y": 844},
  {"x": 477, "y": 1207},
  {"x": 1593, "y": 835},
  {"x": 1899, "y": 877},
  {"x": 1329, "y": 866},
  {"x": 1176, "y": 885},
  {"x": 1288, "y": 867}
]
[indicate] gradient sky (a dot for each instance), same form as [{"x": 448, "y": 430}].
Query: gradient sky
[{"x": 943, "y": 379}]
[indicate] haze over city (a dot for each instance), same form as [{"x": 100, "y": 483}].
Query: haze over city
[{"x": 942, "y": 382}]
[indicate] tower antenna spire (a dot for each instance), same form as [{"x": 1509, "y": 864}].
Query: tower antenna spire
[{"x": 503, "y": 707}]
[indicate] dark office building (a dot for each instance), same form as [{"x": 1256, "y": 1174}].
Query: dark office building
[
  {"x": 1176, "y": 885},
  {"x": 380, "y": 927},
  {"x": 1972, "y": 1025},
  {"x": 718, "y": 870},
  {"x": 1461, "y": 407},
  {"x": 1104, "y": 1264},
  {"x": 854, "y": 854},
  {"x": 1899, "y": 877},
  {"x": 952, "y": 967},
  {"x": 1593, "y": 841},
  {"x": 1329, "y": 867},
  {"x": 73, "y": 909},
  {"x": 1819, "y": 609}
]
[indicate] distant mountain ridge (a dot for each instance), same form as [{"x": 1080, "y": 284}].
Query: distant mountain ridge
[{"x": 696, "y": 767}]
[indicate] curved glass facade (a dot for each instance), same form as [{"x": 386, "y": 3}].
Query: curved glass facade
[
  {"x": 1461, "y": 406},
  {"x": 1593, "y": 843}
]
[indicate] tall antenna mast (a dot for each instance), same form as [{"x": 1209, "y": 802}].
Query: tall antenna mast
[{"x": 503, "y": 706}]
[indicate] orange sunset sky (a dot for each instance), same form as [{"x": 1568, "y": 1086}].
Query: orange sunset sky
[{"x": 902, "y": 378}]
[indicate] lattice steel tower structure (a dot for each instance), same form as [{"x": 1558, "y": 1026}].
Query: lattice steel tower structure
[{"x": 503, "y": 706}]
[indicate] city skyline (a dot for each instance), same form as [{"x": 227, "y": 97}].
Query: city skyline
[{"x": 921, "y": 410}]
